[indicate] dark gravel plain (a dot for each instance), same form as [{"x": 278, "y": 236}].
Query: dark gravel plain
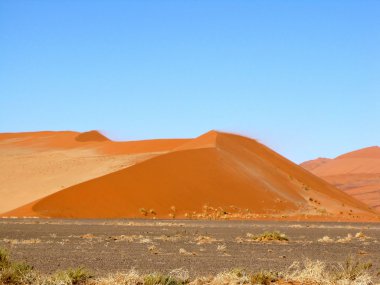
[{"x": 202, "y": 247}]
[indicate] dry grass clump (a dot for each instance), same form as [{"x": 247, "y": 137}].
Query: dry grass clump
[
  {"x": 175, "y": 277},
  {"x": 346, "y": 239},
  {"x": 205, "y": 240},
  {"x": 16, "y": 273},
  {"x": 160, "y": 279},
  {"x": 351, "y": 272},
  {"x": 358, "y": 236},
  {"x": 87, "y": 236},
  {"x": 234, "y": 276},
  {"x": 22, "y": 241},
  {"x": 326, "y": 239},
  {"x": 221, "y": 248},
  {"x": 361, "y": 236},
  {"x": 238, "y": 276},
  {"x": 4, "y": 258},
  {"x": 269, "y": 236},
  {"x": 185, "y": 252},
  {"x": 153, "y": 249},
  {"x": 20, "y": 273},
  {"x": 130, "y": 238},
  {"x": 131, "y": 277},
  {"x": 72, "y": 276},
  {"x": 264, "y": 278}
]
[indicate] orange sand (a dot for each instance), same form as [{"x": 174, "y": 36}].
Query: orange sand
[
  {"x": 89, "y": 140},
  {"x": 357, "y": 173},
  {"x": 34, "y": 165},
  {"x": 224, "y": 171}
]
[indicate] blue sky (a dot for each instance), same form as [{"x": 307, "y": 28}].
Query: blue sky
[{"x": 301, "y": 76}]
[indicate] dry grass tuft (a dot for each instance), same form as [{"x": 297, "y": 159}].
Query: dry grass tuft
[
  {"x": 264, "y": 278},
  {"x": 358, "y": 236},
  {"x": 185, "y": 252},
  {"x": 270, "y": 236},
  {"x": 326, "y": 239},
  {"x": 351, "y": 272},
  {"x": 22, "y": 241},
  {"x": 205, "y": 240}
]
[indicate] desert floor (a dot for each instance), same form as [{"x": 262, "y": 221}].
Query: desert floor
[{"x": 202, "y": 247}]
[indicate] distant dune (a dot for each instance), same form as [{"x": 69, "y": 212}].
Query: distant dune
[
  {"x": 216, "y": 175},
  {"x": 356, "y": 173}
]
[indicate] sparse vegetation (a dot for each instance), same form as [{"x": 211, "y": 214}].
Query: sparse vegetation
[
  {"x": 205, "y": 240},
  {"x": 185, "y": 252},
  {"x": 221, "y": 248},
  {"x": 264, "y": 278},
  {"x": 72, "y": 276},
  {"x": 17, "y": 273},
  {"x": 4, "y": 258},
  {"x": 351, "y": 272},
  {"x": 14, "y": 272},
  {"x": 351, "y": 269},
  {"x": 358, "y": 236},
  {"x": 143, "y": 211},
  {"x": 270, "y": 236},
  {"x": 160, "y": 279},
  {"x": 326, "y": 239}
]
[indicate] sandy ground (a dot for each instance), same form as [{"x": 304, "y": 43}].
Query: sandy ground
[
  {"x": 202, "y": 247},
  {"x": 28, "y": 174}
]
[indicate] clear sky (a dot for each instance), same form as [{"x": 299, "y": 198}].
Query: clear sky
[{"x": 301, "y": 76}]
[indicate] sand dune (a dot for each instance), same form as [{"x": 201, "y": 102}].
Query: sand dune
[
  {"x": 34, "y": 165},
  {"x": 357, "y": 173},
  {"x": 230, "y": 173}
]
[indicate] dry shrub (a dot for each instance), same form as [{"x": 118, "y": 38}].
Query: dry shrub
[
  {"x": 235, "y": 276},
  {"x": 132, "y": 277},
  {"x": 351, "y": 272},
  {"x": 205, "y": 240},
  {"x": 264, "y": 278},
  {"x": 270, "y": 236}
]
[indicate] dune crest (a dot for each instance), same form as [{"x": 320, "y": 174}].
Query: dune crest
[{"x": 91, "y": 136}]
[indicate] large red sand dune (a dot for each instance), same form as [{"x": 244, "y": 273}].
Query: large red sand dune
[
  {"x": 36, "y": 164},
  {"x": 216, "y": 172},
  {"x": 357, "y": 173}
]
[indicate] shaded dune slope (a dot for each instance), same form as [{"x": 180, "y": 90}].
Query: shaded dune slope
[
  {"x": 91, "y": 136},
  {"x": 215, "y": 169}
]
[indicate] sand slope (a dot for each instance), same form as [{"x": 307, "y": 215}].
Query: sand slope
[
  {"x": 34, "y": 165},
  {"x": 357, "y": 173},
  {"x": 223, "y": 171}
]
